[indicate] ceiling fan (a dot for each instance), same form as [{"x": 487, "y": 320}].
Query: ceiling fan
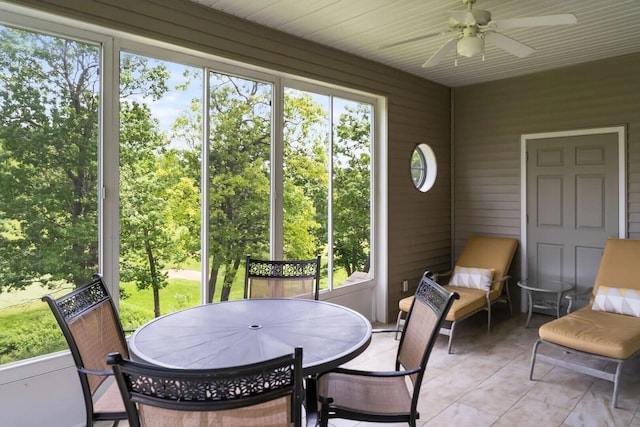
[{"x": 473, "y": 27}]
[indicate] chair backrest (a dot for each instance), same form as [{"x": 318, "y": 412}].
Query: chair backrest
[
  {"x": 489, "y": 252},
  {"x": 282, "y": 279},
  {"x": 619, "y": 265},
  {"x": 422, "y": 326},
  {"x": 268, "y": 393},
  {"x": 92, "y": 328}
]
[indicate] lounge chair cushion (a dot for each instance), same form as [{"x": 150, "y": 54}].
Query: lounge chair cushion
[
  {"x": 471, "y": 300},
  {"x": 617, "y": 300},
  {"x": 405, "y": 303},
  {"x": 596, "y": 332}
]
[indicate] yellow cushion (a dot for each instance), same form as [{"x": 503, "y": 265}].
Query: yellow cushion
[
  {"x": 619, "y": 265},
  {"x": 405, "y": 304},
  {"x": 494, "y": 253},
  {"x": 471, "y": 300},
  {"x": 596, "y": 332}
]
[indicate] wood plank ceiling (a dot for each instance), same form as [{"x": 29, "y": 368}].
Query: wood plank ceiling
[{"x": 605, "y": 28}]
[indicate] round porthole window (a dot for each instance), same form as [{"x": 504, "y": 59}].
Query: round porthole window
[{"x": 423, "y": 167}]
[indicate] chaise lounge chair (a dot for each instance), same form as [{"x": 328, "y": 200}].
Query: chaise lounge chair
[
  {"x": 479, "y": 278},
  {"x": 608, "y": 328}
]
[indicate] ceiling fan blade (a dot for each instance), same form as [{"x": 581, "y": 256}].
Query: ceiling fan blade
[
  {"x": 463, "y": 16},
  {"x": 535, "y": 21},
  {"x": 412, "y": 39},
  {"x": 441, "y": 53},
  {"x": 510, "y": 45}
]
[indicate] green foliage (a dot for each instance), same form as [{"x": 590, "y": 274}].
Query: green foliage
[
  {"x": 29, "y": 333},
  {"x": 306, "y": 178},
  {"x": 133, "y": 316},
  {"x": 352, "y": 198},
  {"x": 151, "y": 187},
  {"x": 48, "y": 152}
]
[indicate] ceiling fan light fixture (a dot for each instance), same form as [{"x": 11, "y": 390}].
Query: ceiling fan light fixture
[{"x": 470, "y": 46}]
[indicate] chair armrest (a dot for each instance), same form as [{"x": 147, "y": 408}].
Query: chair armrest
[
  {"x": 101, "y": 373},
  {"x": 502, "y": 279},
  {"x": 435, "y": 276},
  {"x": 373, "y": 373},
  {"x": 576, "y": 295},
  {"x": 380, "y": 331}
]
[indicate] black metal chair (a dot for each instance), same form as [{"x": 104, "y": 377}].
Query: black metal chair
[
  {"x": 268, "y": 393},
  {"x": 92, "y": 328},
  {"x": 282, "y": 279},
  {"x": 384, "y": 396}
]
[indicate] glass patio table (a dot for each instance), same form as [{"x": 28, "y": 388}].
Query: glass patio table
[{"x": 550, "y": 296}]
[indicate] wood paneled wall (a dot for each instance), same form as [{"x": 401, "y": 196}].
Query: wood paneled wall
[
  {"x": 418, "y": 110},
  {"x": 490, "y": 118}
]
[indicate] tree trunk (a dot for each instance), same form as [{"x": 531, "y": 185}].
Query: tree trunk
[
  {"x": 211, "y": 286},
  {"x": 229, "y": 274},
  {"x": 156, "y": 301},
  {"x": 155, "y": 283}
]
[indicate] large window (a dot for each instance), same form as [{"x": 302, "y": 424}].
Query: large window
[
  {"x": 160, "y": 134},
  {"x": 327, "y": 183},
  {"x": 197, "y": 164}
]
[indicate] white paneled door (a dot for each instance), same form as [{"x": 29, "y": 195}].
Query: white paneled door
[{"x": 572, "y": 199}]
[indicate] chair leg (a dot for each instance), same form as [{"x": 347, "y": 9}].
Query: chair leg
[
  {"x": 616, "y": 383},
  {"x": 324, "y": 415},
  {"x": 399, "y": 323},
  {"x": 506, "y": 285},
  {"x": 533, "y": 359},
  {"x": 453, "y": 326}
]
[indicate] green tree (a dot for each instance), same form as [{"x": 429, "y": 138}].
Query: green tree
[
  {"x": 49, "y": 101},
  {"x": 156, "y": 196},
  {"x": 239, "y": 159},
  {"x": 305, "y": 176},
  {"x": 352, "y": 183}
]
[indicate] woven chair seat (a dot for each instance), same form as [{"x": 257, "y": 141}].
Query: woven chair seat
[{"x": 365, "y": 394}]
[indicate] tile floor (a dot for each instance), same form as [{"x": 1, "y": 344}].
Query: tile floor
[{"x": 485, "y": 381}]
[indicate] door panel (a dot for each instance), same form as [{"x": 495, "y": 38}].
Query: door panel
[{"x": 572, "y": 204}]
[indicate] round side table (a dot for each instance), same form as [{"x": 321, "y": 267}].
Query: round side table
[{"x": 551, "y": 298}]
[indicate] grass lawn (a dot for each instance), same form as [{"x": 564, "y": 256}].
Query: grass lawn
[
  {"x": 30, "y": 296},
  {"x": 28, "y": 328}
]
